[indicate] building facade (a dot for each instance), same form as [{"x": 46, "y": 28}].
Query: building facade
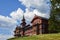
[{"x": 39, "y": 26}]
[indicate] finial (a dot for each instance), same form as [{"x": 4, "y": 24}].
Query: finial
[
  {"x": 35, "y": 15},
  {"x": 23, "y": 18}
]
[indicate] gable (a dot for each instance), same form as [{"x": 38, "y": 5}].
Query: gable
[{"x": 37, "y": 21}]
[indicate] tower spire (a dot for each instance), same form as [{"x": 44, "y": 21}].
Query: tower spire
[
  {"x": 23, "y": 22},
  {"x": 23, "y": 18}
]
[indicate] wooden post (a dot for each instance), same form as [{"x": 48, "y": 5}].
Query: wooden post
[{"x": 37, "y": 27}]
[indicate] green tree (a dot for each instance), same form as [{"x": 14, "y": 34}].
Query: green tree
[{"x": 54, "y": 21}]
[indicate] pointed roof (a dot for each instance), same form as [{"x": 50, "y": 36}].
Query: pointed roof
[
  {"x": 37, "y": 17},
  {"x": 23, "y": 23},
  {"x": 18, "y": 27},
  {"x": 23, "y": 18}
]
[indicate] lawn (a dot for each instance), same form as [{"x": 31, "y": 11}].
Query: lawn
[{"x": 39, "y": 37}]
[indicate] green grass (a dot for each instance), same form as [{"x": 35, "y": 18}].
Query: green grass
[{"x": 39, "y": 37}]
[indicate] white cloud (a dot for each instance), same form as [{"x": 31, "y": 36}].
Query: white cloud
[
  {"x": 17, "y": 14},
  {"x": 7, "y": 21},
  {"x": 41, "y": 6},
  {"x": 29, "y": 15},
  {"x": 35, "y": 3},
  {"x": 7, "y": 26},
  {"x": 38, "y": 7}
]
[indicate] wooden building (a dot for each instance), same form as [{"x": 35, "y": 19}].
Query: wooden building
[{"x": 39, "y": 26}]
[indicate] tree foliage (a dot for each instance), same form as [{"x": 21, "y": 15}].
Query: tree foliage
[{"x": 54, "y": 21}]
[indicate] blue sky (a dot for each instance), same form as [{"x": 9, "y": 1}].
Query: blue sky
[
  {"x": 11, "y": 13},
  {"x": 7, "y": 6}
]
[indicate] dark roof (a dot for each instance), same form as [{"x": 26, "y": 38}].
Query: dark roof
[
  {"x": 38, "y": 17},
  {"x": 28, "y": 28},
  {"x": 18, "y": 28}
]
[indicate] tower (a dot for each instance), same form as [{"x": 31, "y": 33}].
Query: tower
[{"x": 23, "y": 24}]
